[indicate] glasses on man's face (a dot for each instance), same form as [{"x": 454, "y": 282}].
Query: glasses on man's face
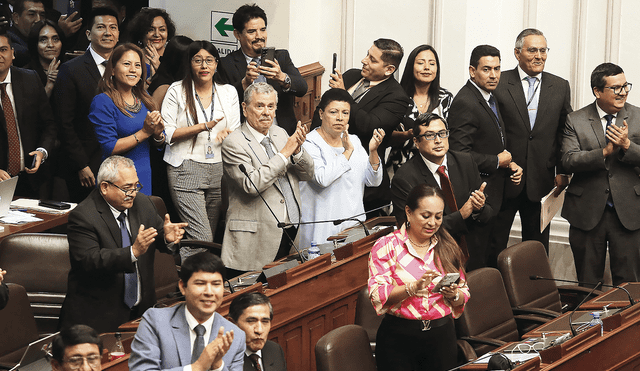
[
  {"x": 430, "y": 135},
  {"x": 129, "y": 191},
  {"x": 542, "y": 51},
  {"x": 77, "y": 362},
  {"x": 617, "y": 90},
  {"x": 198, "y": 61}
]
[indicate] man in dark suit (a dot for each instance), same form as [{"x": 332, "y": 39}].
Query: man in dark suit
[
  {"x": 601, "y": 147},
  {"x": 25, "y": 14},
  {"x": 477, "y": 127},
  {"x": 27, "y": 126},
  {"x": 534, "y": 114},
  {"x": 241, "y": 68},
  {"x": 466, "y": 214},
  {"x": 113, "y": 235},
  {"x": 75, "y": 88},
  {"x": 253, "y": 313}
]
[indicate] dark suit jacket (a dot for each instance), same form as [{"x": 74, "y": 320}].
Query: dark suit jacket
[
  {"x": 594, "y": 178},
  {"x": 95, "y": 294},
  {"x": 4, "y": 295},
  {"x": 272, "y": 358},
  {"x": 234, "y": 69},
  {"x": 465, "y": 178},
  {"x": 474, "y": 129},
  {"x": 20, "y": 47},
  {"x": 35, "y": 121},
  {"x": 75, "y": 88},
  {"x": 537, "y": 151}
]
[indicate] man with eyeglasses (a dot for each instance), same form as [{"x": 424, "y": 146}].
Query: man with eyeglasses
[
  {"x": 601, "y": 147},
  {"x": 113, "y": 235},
  {"x": 534, "y": 105},
  {"x": 466, "y": 213},
  {"x": 77, "y": 348}
]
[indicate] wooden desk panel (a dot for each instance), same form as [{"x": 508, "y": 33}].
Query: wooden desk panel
[
  {"x": 48, "y": 221},
  {"x": 615, "y": 297}
]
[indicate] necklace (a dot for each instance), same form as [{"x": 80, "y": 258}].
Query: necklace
[
  {"x": 135, "y": 108},
  {"x": 418, "y": 245}
]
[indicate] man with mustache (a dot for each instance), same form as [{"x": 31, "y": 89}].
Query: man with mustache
[
  {"x": 601, "y": 147},
  {"x": 261, "y": 160},
  {"x": 113, "y": 235},
  {"x": 252, "y": 312},
  {"x": 242, "y": 67}
]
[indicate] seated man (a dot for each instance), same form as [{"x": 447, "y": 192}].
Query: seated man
[
  {"x": 174, "y": 338},
  {"x": 73, "y": 346},
  {"x": 252, "y": 312}
]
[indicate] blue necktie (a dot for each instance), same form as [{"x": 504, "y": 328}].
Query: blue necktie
[
  {"x": 130, "y": 279},
  {"x": 609, "y": 119},
  {"x": 532, "y": 100},
  {"x": 494, "y": 108},
  {"x": 285, "y": 187},
  {"x": 260, "y": 78},
  {"x": 198, "y": 344}
]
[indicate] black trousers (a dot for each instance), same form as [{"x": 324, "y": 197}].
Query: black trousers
[{"x": 402, "y": 345}]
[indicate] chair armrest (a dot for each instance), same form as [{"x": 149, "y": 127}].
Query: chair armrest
[
  {"x": 579, "y": 290},
  {"x": 214, "y": 248},
  {"x": 482, "y": 340},
  {"x": 467, "y": 350},
  {"x": 536, "y": 311},
  {"x": 521, "y": 318}
]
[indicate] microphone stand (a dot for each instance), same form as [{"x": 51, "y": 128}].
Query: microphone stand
[{"x": 573, "y": 331}]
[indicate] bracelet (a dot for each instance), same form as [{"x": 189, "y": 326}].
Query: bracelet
[
  {"x": 376, "y": 164},
  {"x": 135, "y": 137},
  {"x": 162, "y": 138},
  {"x": 409, "y": 289}
]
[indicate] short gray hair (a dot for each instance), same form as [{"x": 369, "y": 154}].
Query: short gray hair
[
  {"x": 110, "y": 167},
  {"x": 527, "y": 32},
  {"x": 258, "y": 88}
]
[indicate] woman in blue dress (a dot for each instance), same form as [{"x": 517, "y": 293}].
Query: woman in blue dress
[{"x": 125, "y": 118}]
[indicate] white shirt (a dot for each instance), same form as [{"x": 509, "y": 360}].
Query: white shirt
[
  {"x": 98, "y": 59},
  {"x": 433, "y": 167},
  {"x": 259, "y": 353},
  {"x": 193, "y": 322},
  {"x": 525, "y": 83},
  {"x": 603, "y": 121}
]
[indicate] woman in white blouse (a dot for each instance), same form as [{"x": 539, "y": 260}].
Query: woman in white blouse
[
  {"x": 342, "y": 169},
  {"x": 198, "y": 113}
]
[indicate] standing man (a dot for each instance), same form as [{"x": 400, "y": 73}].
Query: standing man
[
  {"x": 73, "y": 345},
  {"x": 27, "y": 127},
  {"x": 25, "y": 14},
  {"x": 380, "y": 103},
  {"x": 73, "y": 93},
  {"x": 477, "y": 127},
  {"x": 466, "y": 214},
  {"x": 601, "y": 147},
  {"x": 261, "y": 155},
  {"x": 190, "y": 336},
  {"x": 113, "y": 235},
  {"x": 252, "y": 312},
  {"x": 534, "y": 105},
  {"x": 242, "y": 67}
]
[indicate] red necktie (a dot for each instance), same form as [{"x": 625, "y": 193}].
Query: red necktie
[
  {"x": 254, "y": 359},
  {"x": 13, "y": 139},
  {"x": 449, "y": 198}
]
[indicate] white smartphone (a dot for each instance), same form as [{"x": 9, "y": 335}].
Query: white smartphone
[{"x": 447, "y": 280}]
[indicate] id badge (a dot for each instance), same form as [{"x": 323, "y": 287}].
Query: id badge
[{"x": 208, "y": 150}]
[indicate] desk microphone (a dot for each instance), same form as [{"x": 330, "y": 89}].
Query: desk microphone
[
  {"x": 631, "y": 301},
  {"x": 280, "y": 224},
  {"x": 573, "y": 331}
]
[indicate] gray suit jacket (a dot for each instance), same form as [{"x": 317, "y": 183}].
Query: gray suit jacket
[
  {"x": 594, "y": 178},
  {"x": 272, "y": 358},
  {"x": 251, "y": 236},
  {"x": 162, "y": 341}
]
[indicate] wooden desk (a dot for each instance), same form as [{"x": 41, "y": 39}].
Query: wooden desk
[
  {"x": 615, "y": 297},
  {"x": 48, "y": 221}
]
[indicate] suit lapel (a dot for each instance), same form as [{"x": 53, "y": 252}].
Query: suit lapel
[
  {"x": 240, "y": 63},
  {"x": 488, "y": 110},
  {"x": 180, "y": 329},
  {"x": 17, "y": 83},
  {"x": 430, "y": 178},
  {"x": 373, "y": 93},
  {"x": 255, "y": 146},
  {"x": 107, "y": 216},
  {"x": 517, "y": 94},
  {"x": 596, "y": 126},
  {"x": 545, "y": 99},
  {"x": 455, "y": 177},
  {"x": 90, "y": 64}
]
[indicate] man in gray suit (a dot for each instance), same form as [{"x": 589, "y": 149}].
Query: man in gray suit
[
  {"x": 601, "y": 147},
  {"x": 534, "y": 105},
  {"x": 260, "y": 158}
]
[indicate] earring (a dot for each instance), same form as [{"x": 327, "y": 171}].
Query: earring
[{"x": 408, "y": 224}]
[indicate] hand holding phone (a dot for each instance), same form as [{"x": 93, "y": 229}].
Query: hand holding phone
[{"x": 448, "y": 280}]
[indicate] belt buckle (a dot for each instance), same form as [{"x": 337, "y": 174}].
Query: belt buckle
[{"x": 426, "y": 325}]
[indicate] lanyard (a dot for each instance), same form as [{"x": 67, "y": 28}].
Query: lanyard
[
  {"x": 207, "y": 119},
  {"x": 534, "y": 93}
]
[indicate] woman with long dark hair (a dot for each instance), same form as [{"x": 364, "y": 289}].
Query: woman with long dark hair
[
  {"x": 173, "y": 67},
  {"x": 125, "y": 118},
  {"x": 199, "y": 113},
  {"x": 417, "y": 332},
  {"x": 45, "y": 46},
  {"x": 151, "y": 29}
]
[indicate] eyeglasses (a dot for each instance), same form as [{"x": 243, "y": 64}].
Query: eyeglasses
[
  {"x": 617, "y": 90},
  {"x": 198, "y": 61},
  {"x": 432, "y": 136},
  {"x": 542, "y": 51},
  {"x": 128, "y": 192},
  {"x": 77, "y": 362}
]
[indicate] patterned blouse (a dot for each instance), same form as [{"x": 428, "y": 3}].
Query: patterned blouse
[{"x": 393, "y": 262}]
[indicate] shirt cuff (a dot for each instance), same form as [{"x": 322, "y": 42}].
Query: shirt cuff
[
  {"x": 133, "y": 257},
  {"x": 497, "y": 162},
  {"x": 219, "y": 368},
  {"x": 297, "y": 157},
  {"x": 286, "y": 162},
  {"x": 45, "y": 154}
]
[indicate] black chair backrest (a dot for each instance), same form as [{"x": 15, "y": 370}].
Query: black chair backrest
[
  {"x": 345, "y": 349},
  {"x": 17, "y": 325}
]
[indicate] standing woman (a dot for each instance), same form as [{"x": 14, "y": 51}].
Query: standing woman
[
  {"x": 342, "y": 169},
  {"x": 417, "y": 332},
  {"x": 151, "y": 29},
  {"x": 125, "y": 119},
  {"x": 45, "y": 46},
  {"x": 174, "y": 67},
  {"x": 421, "y": 82},
  {"x": 199, "y": 113}
]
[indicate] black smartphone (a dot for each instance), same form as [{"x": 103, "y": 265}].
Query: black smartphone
[
  {"x": 58, "y": 205},
  {"x": 335, "y": 62},
  {"x": 267, "y": 54},
  {"x": 33, "y": 161}
]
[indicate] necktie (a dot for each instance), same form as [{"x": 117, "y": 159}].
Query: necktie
[
  {"x": 13, "y": 140},
  {"x": 255, "y": 358},
  {"x": 609, "y": 119},
  {"x": 285, "y": 187},
  {"x": 358, "y": 94},
  {"x": 198, "y": 344},
  {"x": 532, "y": 100},
  {"x": 260, "y": 78},
  {"x": 449, "y": 198},
  {"x": 130, "y": 279},
  {"x": 494, "y": 108}
]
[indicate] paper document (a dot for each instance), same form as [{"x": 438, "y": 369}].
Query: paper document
[
  {"x": 549, "y": 207},
  {"x": 18, "y": 217}
]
